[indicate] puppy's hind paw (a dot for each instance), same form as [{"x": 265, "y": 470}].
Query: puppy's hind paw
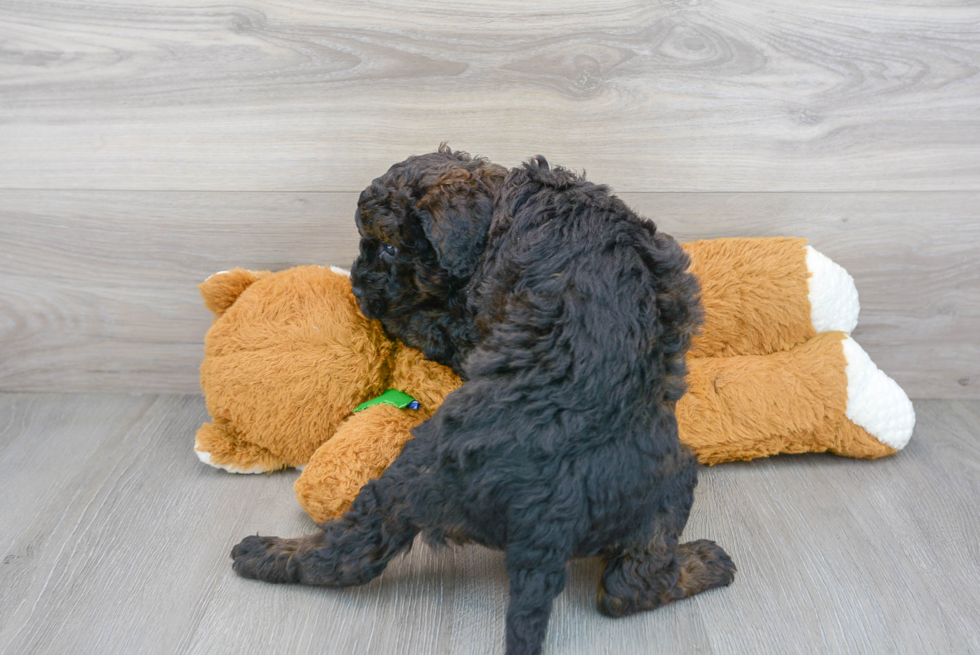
[
  {"x": 265, "y": 558},
  {"x": 716, "y": 567}
]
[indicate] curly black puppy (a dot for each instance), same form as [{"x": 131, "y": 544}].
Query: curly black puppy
[{"x": 569, "y": 316}]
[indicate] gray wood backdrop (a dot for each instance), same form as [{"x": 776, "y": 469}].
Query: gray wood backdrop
[{"x": 145, "y": 144}]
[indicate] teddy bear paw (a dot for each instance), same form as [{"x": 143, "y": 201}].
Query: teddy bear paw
[
  {"x": 205, "y": 457},
  {"x": 875, "y": 401},
  {"x": 834, "y": 305}
]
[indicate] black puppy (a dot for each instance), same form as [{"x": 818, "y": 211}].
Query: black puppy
[{"x": 569, "y": 317}]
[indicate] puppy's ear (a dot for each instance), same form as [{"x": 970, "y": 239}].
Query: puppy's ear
[{"x": 455, "y": 214}]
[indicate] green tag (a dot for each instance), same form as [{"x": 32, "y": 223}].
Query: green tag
[{"x": 391, "y": 397}]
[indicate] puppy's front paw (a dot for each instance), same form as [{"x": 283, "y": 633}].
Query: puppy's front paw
[{"x": 265, "y": 558}]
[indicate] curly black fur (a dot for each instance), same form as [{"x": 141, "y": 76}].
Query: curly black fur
[
  {"x": 570, "y": 317},
  {"x": 423, "y": 225}
]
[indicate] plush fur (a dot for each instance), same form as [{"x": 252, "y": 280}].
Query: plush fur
[
  {"x": 755, "y": 296},
  {"x": 790, "y": 401},
  {"x": 287, "y": 360},
  {"x": 290, "y": 355},
  {"x": 263, "y": 373},
  {"x": 570, "y": 318}
]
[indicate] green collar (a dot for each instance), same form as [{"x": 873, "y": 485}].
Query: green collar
[{"x": 391, "y": 397}]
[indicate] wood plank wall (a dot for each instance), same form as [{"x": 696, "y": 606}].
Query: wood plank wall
[{"x": 147, "y": 144}]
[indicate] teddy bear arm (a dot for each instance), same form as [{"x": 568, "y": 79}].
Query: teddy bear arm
[
  {"x": 424, "y": 380},
  {"x": 219, "y": 445},
  {"x": 362, "y": 448}
]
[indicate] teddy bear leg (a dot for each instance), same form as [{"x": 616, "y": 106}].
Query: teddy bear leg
[
  {"x": 217, "y": 445},
  {"x": 825, "y": 395},
  {"x": 766, "y": 295}
]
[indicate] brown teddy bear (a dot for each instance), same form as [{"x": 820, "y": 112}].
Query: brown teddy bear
[{"x": 290, "y": 359}]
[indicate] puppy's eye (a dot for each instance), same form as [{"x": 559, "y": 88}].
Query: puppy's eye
[{"x": 390, "y": 249}]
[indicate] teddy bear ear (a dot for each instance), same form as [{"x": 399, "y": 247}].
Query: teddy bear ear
[{"x": 221, "y": 290}]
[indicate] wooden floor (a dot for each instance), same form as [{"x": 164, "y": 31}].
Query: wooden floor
[{"x": 115, "y": 539}]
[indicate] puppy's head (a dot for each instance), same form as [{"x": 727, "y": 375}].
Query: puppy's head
[{"x": 423, "y": 226}]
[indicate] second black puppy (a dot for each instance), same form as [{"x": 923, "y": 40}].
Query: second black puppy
[{"x": 569, "y": 317}]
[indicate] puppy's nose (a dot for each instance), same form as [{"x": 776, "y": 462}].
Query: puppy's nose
[{"x": 357, "y": 292}]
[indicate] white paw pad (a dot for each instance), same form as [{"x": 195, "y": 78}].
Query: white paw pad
[
  {"x": 833, "y": 297},
  {"x": 875, "y": 401},
  {"x": 205, "y": 457}
]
